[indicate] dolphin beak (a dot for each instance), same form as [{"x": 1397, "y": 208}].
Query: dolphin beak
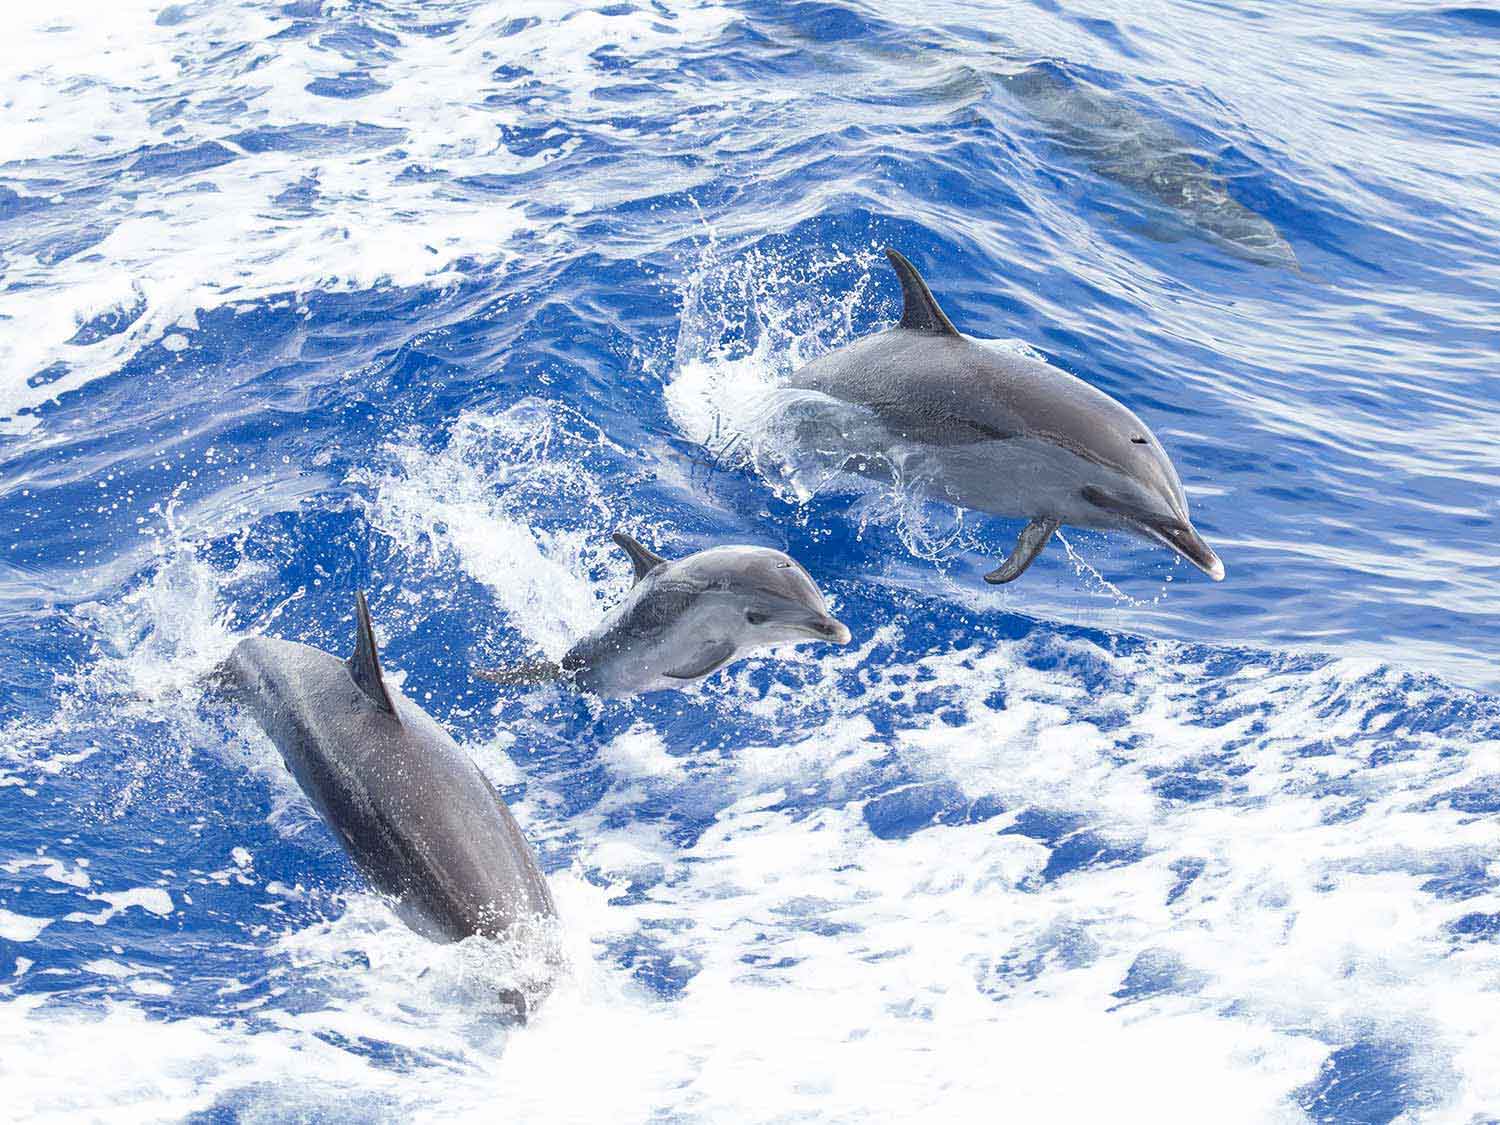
[
  {"x": 1169, "y": 531},
  {"x": 829, "y": 629},
  {"x": 1183, "y": 538}
]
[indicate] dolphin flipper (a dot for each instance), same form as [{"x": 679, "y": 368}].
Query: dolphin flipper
[
  {"x": 1029, "y": 545},
  {"x": 527, "y": 672},
  {"x": 710, "y": 658}
]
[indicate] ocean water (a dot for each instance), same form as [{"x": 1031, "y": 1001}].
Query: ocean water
[{"x": 428, "y": 298}]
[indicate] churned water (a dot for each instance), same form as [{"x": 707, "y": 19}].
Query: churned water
[{"x": 428, "y": 298}]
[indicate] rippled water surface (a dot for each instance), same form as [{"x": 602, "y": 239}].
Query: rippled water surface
[{"x": 427, "y": 299}]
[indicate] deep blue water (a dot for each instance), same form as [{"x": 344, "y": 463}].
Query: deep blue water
[{"x": 427, "y": 299}]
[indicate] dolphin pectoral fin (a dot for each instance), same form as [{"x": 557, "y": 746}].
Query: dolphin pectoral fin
[
  {"x": 528, "y": 672},
  {"x": 1029, "y": 545},
  {"x": 364, "y": 665},
  {"x": 710, "y": 658},
  {"x": 644, "y": 559}
]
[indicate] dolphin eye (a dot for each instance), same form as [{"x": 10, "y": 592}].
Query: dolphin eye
[
  {"x": 784, "y": 566},
  {"x": 755, "y": 618},
  {"x": 1138, "y": 441}
]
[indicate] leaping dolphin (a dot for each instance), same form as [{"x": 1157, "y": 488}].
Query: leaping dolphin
[
  {"x": 415, "y": 814},
  {"x": 1004, "y": 434},
  {"x": 685, "y": 619}
]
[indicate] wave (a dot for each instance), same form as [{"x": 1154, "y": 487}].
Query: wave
[{"x": 428, "y": 300}]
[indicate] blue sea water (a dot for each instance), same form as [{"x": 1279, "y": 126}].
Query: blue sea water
[{"x": 428, "y": 298}]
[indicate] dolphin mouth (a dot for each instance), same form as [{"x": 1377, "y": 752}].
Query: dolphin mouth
[
  {"x": 1183, "y": 538},
  {"x": 829, "y": 629},
  {"x": 1169, "y": 531}
]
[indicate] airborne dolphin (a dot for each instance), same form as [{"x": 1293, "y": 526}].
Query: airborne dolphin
[
  {"x": 415, "y": 814},
  {"x": 683, "y": 620},
  {"x": 1003, "y": 433}
]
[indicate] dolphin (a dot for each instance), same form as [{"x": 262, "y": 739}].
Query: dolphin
[
  {"x": 1121, "y": 143},
  {"x": 415, "y": 814},
  {"x": 1001, "y": 433},
  {"x": 685, "y": 619}
]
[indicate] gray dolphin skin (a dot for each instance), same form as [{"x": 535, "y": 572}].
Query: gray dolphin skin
[
  {"x": 416, "y": 815},
  {"x": 685, "y": 619},
  {"x": 1121, "y": 143},
  {"x": 1001, "y": 433}
]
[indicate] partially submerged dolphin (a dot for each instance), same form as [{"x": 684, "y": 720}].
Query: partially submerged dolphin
[
  {"x": 415, "y": 814},
  {"x": 1003, "y": 433},
  {"x": 1145, "y": 154},
  {"x": 683, "y": 620}
]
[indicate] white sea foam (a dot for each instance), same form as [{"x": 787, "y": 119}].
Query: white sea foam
[
  {"x": 21, "y": 927},
  {"x": 815, "y": 969},
  {"x": 1308, "y": 925},
  {"x": 153, "y": 900},
  {"x": 51, "y": 868},
  {"x": 86, "y": 82},
  {"x": 821, "y": 970},
  {"x": 481, "y": 502}
]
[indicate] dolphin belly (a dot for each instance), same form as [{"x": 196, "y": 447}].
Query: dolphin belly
[
  {"x": 608, "y": 665},
  {"x": 1015, "y": 477},
  {"x": 414, "y": 813}
]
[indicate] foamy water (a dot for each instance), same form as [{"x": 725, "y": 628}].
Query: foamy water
[{"x": 427, "y": 300}]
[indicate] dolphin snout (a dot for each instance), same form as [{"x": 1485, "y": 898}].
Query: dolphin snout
[
  {"x": 830, "y": 629},
  {"x": 1170, "y": 531},
  {"x": 1185, "y": 540}
]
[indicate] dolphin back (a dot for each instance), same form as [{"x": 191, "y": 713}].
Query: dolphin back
[{"x": 412, "y": 810}]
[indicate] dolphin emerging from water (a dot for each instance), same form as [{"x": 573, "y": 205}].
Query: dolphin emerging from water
[
  {"x": 1002, "y": 433},
  {"x": 413, "y": 811},
  {"x": 683, "y": 620}
]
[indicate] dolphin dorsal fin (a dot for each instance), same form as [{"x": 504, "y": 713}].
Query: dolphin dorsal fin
[
  {"x": 919, "y": 309},
  {"x": 364, "y": 665},
  {"x": 645, "y": 560}
]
